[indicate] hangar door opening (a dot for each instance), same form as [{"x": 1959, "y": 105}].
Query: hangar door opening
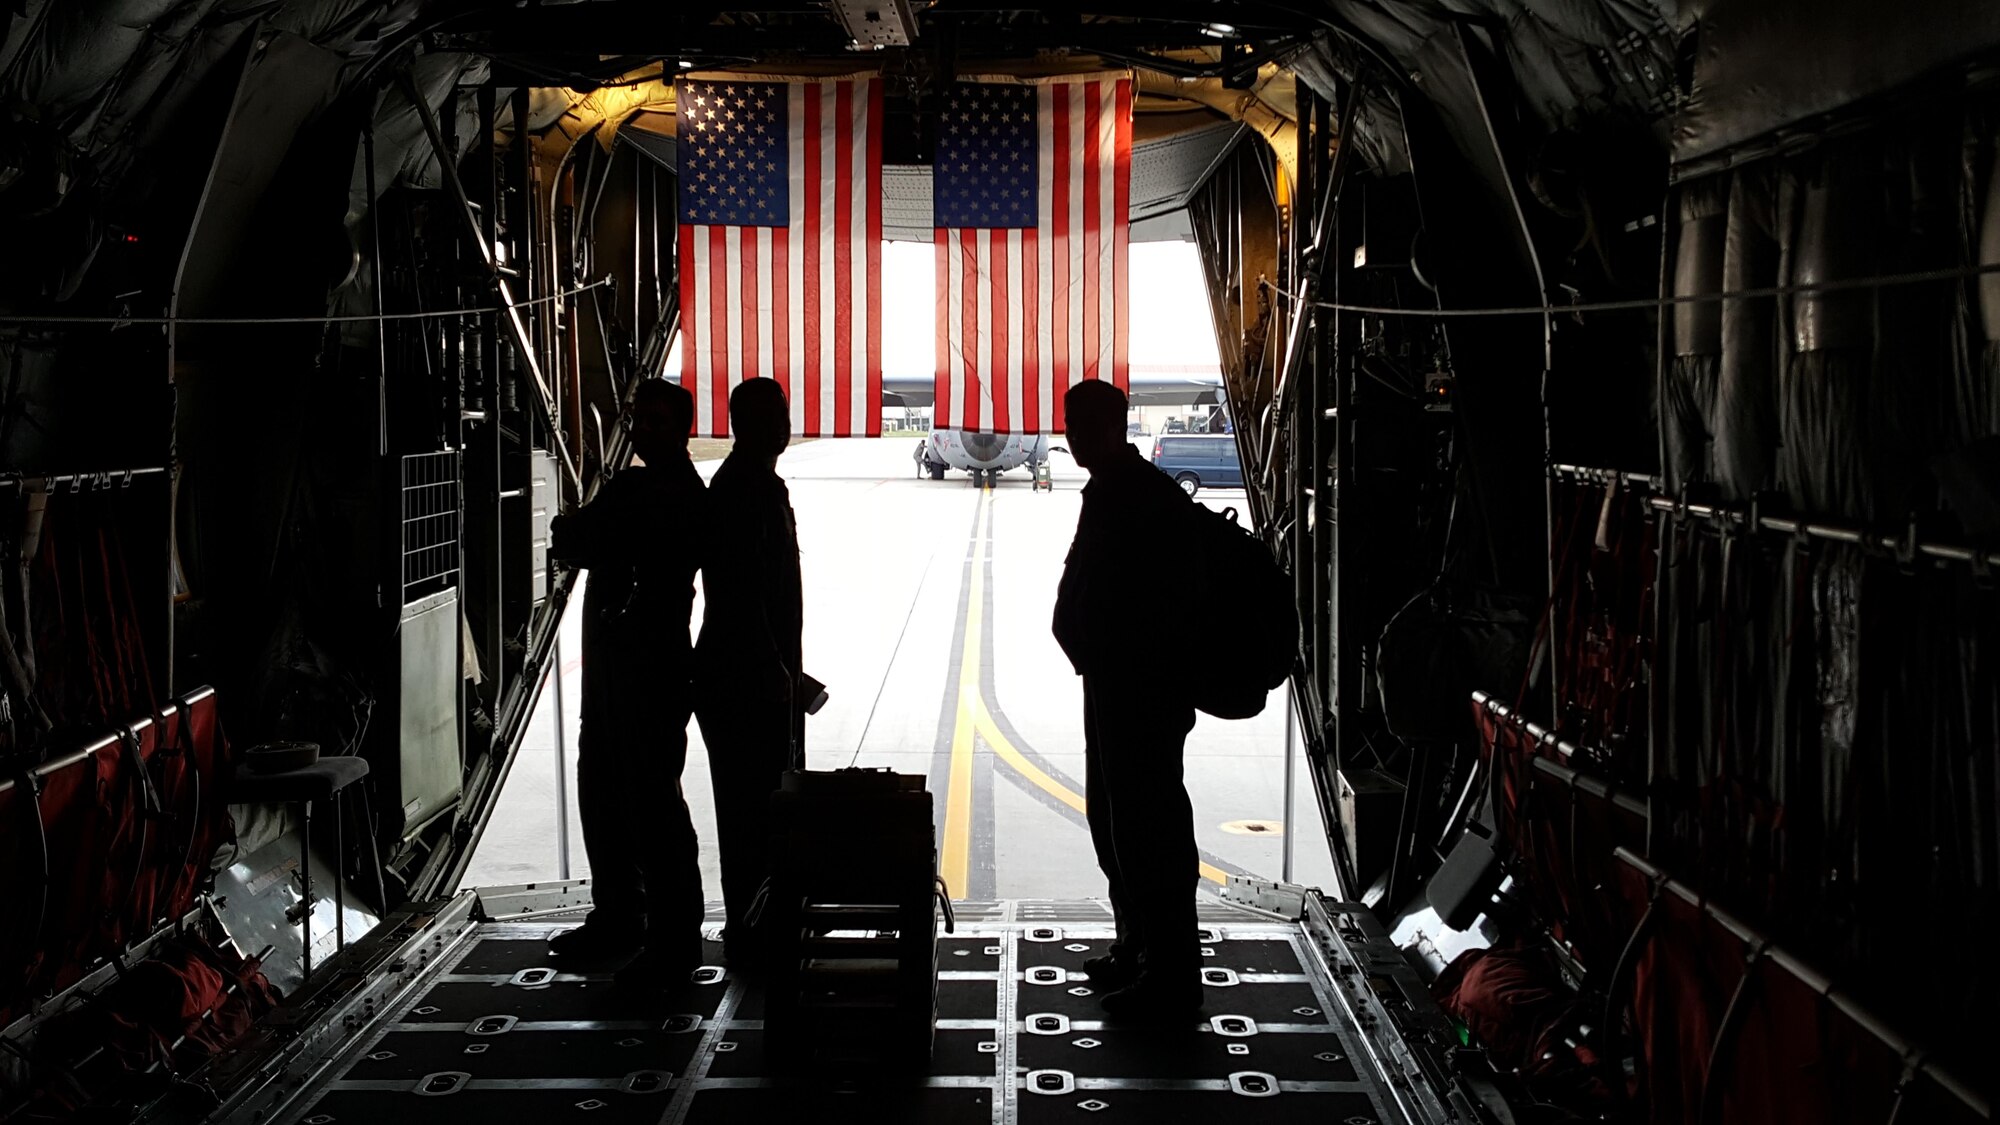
[{"x": 927, "y": 615}]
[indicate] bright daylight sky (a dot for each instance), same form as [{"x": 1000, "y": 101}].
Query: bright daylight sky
[{"x": 1170, "y": 322}]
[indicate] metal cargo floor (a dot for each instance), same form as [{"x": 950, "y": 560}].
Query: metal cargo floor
[{"x": 475, "y": 1022}]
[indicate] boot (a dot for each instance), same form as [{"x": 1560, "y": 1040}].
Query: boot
[
  {"x": 656, "y": 972},
  {"x": 595, "y": 940},
  {"x": 1110, "y": 972},
  {"x": 1157, "y": 996}
]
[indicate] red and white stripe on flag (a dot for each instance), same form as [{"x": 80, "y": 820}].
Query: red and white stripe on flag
[
  {"x": 1025, "y": 312},
  {"x": 793, "y": 293}
]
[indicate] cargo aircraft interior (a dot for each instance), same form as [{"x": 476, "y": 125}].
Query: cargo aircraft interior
[{"x": 1615, "y": 383}]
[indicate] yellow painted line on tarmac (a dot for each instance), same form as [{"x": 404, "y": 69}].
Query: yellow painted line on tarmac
[
  {"x": 974, "y": 718},
  {"x": 955, "y": 862},
  {"x": 990, "y": 731}
]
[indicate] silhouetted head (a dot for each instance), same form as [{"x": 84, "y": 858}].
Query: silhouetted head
[
  {"x": 1094, "y": 414},
  {"x": 662, "y": 414},
  {"x": 759, "y": 417}
]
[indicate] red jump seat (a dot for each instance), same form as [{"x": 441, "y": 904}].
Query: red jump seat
[{"x": 109, "y": 842}]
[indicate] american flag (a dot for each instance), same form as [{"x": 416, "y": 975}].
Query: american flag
[
  {"x": 1031, "y": 187},
  {"x": 781, "y": 248}
]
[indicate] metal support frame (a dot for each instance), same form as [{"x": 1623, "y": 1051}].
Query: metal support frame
[
  {"x": 1335, "y": 424},
  {"x": 339, "y": 873},
  {"x": 1275, "y": 391},
  {"x": 307, "y": 896},
  {"x": 510, "y": 313},
  {"x": 485, "y": 234},
  {"x": 562, "y": 776},
  {"x": 1327, "y": 240},
  {"x": 380, "y": 326},
  {"x": 1656, "y": 622},
  {"x": 1291, "y": 770},
  {"x": 514, "y": 707}
]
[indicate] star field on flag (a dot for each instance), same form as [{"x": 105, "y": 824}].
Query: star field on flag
[
  {"x": 780, "y": 199},
  {"x": 1030, "y": 193},
  {"x": 984, "y": 175},
  {"x": 734, "y": 169}
]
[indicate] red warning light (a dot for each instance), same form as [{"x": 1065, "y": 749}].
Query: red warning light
[{"x": 1439, "y": 391}]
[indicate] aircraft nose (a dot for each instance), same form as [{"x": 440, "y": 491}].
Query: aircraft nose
[{"x": 984, "y": 447}]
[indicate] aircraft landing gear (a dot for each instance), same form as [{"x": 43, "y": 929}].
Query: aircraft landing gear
[{"x": 926, "y": 466}]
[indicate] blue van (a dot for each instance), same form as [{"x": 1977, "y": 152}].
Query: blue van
[{"x": 1198, "y": 461}]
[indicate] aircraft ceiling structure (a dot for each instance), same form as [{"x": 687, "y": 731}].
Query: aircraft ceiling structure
[
  {"x": 103, "y": 90},
  {"x": 118, "y": 95}
]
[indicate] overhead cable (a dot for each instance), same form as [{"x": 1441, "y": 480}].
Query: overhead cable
[
  {"x": 357, "y": 318},
  {"x": 1880, "y": 281}
]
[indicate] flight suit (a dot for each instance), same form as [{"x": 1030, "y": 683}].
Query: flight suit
[
  {"x": 748, "y": 667},
  {"x": 637, "y": 538},
  {"x": 1126, "y": 555}
]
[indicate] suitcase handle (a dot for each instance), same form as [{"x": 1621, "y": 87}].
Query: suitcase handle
[
  {"x": 756, "y": 912},
  {"x": 944, "y": 900}
]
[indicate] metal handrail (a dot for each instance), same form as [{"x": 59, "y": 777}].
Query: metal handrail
[
  {"x": 1906, "y": 546},
  {"x": 1574, "y": 778}
]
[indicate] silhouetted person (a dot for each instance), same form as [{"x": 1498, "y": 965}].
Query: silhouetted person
[
  {"x": 748, "y": 654},
  {"x": 1135, "y": 725},
  {"x": 638, "y": 539}
]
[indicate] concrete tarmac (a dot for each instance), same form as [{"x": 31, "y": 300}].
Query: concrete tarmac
[{"x": 927, "y": 617}]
